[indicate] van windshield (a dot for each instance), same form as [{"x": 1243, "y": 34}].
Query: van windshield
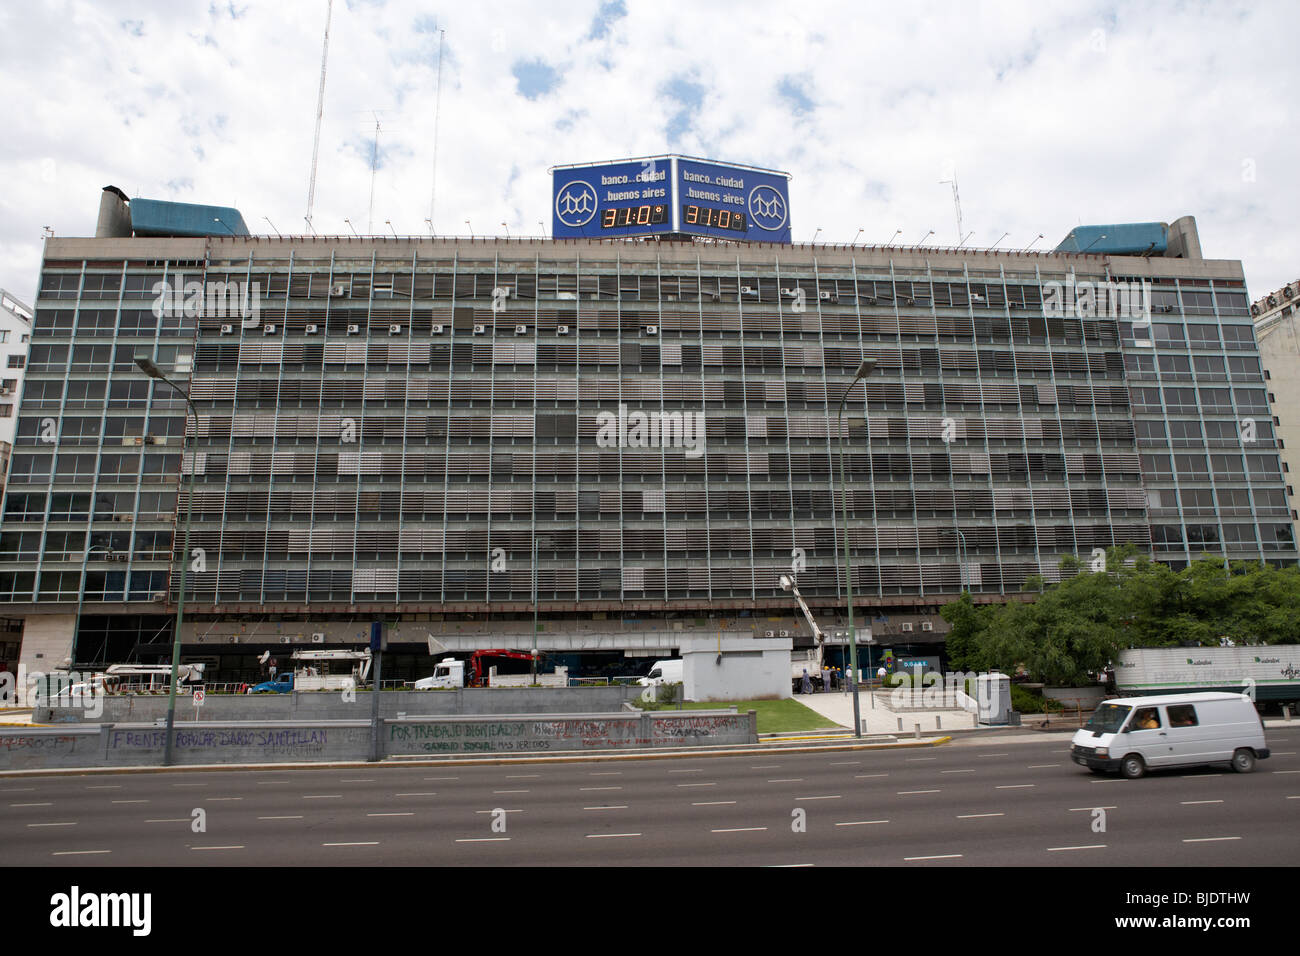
[{"x": 1107, "y": 718}]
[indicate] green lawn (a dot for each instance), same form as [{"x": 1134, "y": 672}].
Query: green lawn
[{"x": 774, "y": 716}]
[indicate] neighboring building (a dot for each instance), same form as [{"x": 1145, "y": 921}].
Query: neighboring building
[
  {"x": 15, "y": 340},
  {"x": 1279, "y": 349},
  {"x": 384, "y": 433}
]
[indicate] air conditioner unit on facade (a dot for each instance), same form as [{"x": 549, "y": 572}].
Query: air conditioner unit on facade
[
  {"x": 561, "y": 330},
  {"x": 747, "y": 290},
  {"x": 313, "y": 329},
  {"x": 394, "y": 329},
  {"x": 286, "y": 640},
  {"x": 268, "y": 329},
  {"x": 521, "y": 329},
  {"x": 353, "y": 329},
  {"x": 338, "y": 290},
  {"x": 160, "y": 595},
  {"x": 318, "y": 638},
  {"x": 907, "y": 627},
  {"x": 480, "y": 329},
  {"x": 790, "y": 292},
  {"x": 826, "y": 295},
  {"x": 927, "y": 626},
  {"x": 437, "y": 330},
  {"x": 652, "y": 330},
  {"x": 227, "y": 329}
]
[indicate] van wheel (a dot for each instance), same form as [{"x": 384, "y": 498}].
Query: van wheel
[
  {"x": 1243, "y": 760},
  {"x": 1133, "y": 767}
]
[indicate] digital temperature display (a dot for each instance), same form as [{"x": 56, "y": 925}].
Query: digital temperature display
[
  {"x": 715, "y": 218},
  {"x": 633, "y": 216}
]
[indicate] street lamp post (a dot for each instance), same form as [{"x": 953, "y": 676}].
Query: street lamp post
[
  {"x": 149, "y": 368},
  {"x": 863, "y": 370}
]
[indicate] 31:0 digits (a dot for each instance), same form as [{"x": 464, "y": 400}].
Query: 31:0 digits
[
  {"x": 634, "y": 216},
  {"x": 714, "y": 218}
]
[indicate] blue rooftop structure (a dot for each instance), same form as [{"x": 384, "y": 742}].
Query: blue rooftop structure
[
  {"x": 155, "y": 217},
  {"x": 1120, "y": 239}
]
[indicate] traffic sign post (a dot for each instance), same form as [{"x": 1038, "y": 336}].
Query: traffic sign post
[{"x": 199, "y": 697}]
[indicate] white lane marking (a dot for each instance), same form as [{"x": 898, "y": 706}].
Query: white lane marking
[
  {"x": 511, "y": 791},
  {"x": 864, "y": 776},
  {"x": 1190, "y": 803},
  {"x": 790, "y": 866},
  {"x": 1091, "y": 846},
  {"x": 79, "y": 852},
  {"x": 18, "y": 790},
  {"x": 943, "y": 856},
  {"x": 835, "y": 797},
  {"x": 1271, "y": 771},
  {"x": 860, "y": 823},
  {"x": 1297, "y": 797},
  {"x": 426, "y": 779},
  {"x": 915, "y": 759},
  {"x": 993, "y": 755},
  {"x": 12, "y": 805},
  {"x": 1284, "y": 753},
  {"x": 580, "y": 789},
  {"x": 903, "y": 793},
  {"x": 178, "y": 820},
  {"x": 130, "y": 801},
  {"x": 239, "y": 847},
  {"x": 740, "y": 830},
  {"x": 957, "y": 771},
  {"x": 606, "y": 836},
  {"x": 621, "y": 806},
  {"x": 399, "y": 813},
  {"x": 106, "y": 786},
  {"x": 714, "y": 803},
  {"x": 1114, "y": 780},
  {"x": 189, "y": 785},
  {"x": 216, "y": 799},
  {"x": 1186, "y": 776},
  {"x": 424, "y": 793},
  {"x": 503, "y": 809},
  {"x": 72, "y": 824},
  {"x": 361, "y": 843},
  {"x": 267, "y": 783},
  {"x": 522, "y": 776},
  {"x": 292, "y": 816},
  {"x": 696, "y": 770},
  {"x": 1041, "y": 766},
  {"x": 976, "y": 816},
  {"x": 485, "y": 840},
  {"x": 787, "y": 780},
  {"x": 356, "y": 779},
  {"x": 1210, "y": 839},
  {"x": 606, "y": 773},
  {"x": 842, "y": 763},
  {"x": 766, "y": 766},
  {"x": 1088, "y": 809},
  {"x": 697, "y": 785},
  {"x": 1015, "y": 786},
  {"x": 321, "y": 796}
]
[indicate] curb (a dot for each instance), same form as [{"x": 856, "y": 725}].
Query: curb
[{"x": 570, "y": 757}]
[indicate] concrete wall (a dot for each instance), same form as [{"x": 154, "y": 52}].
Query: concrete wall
[
  {"x": 749, "y": 668},
  {"x": 230, "y": 742},
  {"x": 47, "y": 641},
  {"x": 332, "y": 706}
]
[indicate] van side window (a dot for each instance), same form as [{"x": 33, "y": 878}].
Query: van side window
[
  {"x": 1182, "y": 715},
  {"x": 1146, "y": 718}
]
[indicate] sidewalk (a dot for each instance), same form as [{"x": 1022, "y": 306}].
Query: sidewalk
[{"x": 837, "y": 706}]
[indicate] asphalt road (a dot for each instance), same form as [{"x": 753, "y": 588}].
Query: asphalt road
[{"x": 980, "y": 800}]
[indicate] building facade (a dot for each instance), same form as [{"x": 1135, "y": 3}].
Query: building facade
[{"x": 618, "y": 443}]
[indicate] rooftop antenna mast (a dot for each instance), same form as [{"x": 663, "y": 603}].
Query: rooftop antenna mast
[
  {"x": 437, "y": 104},
  {"x": 374, "y": 165},
  {"x": 320, "y": 110},
  {"x": 956, "y": 201}
]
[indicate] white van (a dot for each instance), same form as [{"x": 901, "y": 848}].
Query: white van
[
  {"x": 1137, "y": 734},
  {"x": 664, "y": 672}
]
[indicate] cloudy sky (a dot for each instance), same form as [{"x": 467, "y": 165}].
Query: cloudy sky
[{"x": 1050, "y": 114}]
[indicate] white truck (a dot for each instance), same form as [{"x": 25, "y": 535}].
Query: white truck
[
  {"x": 1268, "y": 673},
  {"x": 330, "y": 670}
]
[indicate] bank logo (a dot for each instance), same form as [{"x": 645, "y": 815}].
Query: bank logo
[
  {"x": 767, "y": 208},
  {"x": 575, "y": 204}
]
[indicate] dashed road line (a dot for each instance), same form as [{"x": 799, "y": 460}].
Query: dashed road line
[
  {"x": 1211, "y": 839},
  {"x": 609, "y": 836},
  {"x": 1191, "y": 803},
  {"x": 697, "y": 785},
  {"x": 130, "y": 801},
  {"x": 620, "y": 806},
  {"x": 291, "y": 816},
  {"x": 714, "y": 803},
  {"x": 394, "y": 813},
  {"x": 976, "y": 816},
  {"x": 13, "y": 805},
  {"x": 740, "y": 830},
  {"x": 418, "y": 793},
  {"x": 71, "y": 824},
  {"x": 236, "y": 847},
  {"x": 860, "y": 823},
  {"x": 834, "y": 797},
  {"x": 1015, "y": 786},
  {"x": 320, "y": 796},
  {"x": 79, "y": 852},
  {"x": 484, "y": 840},
  {"x": 580, "y": 789},
  {"x": 360, "y": 843},
  {"x": 904, "y": 793},
  {"x": 941, "y": 856},
  {"x": 1091, "y": 846},
  {"x": 958, "y": 771}
]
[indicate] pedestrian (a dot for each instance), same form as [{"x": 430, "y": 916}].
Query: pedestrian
[
  {"x": 806, "y": 686},
  {"x": 826, "y": 679}
]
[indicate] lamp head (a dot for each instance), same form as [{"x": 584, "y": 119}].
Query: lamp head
[
  {"x": 865, "y": 368},
  {"x": 147, "y": 366}
]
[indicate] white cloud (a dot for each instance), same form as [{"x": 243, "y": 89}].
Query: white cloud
[{"x": 1086, "y": 113}]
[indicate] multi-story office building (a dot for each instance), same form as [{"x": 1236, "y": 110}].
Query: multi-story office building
[
  {"x": 383, "y": 432},
  {"x": 1275, "y": 318},
  {"x": 15, "y": 338}
]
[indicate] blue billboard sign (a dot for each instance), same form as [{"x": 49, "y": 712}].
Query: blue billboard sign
[{"x": 670, "y": 194}]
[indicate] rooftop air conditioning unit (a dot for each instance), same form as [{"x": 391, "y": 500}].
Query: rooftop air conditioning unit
[
  {"x": 784, "y": 634},
  {"x": 769, "y": 633},
  {"x": 521, "y": 329},
  {"x": 1272, "y": 301},
  {"x": 1289, "y": 292},
  {"x": 338, "y": 290},
  {"x": 747, "y": 290},
  {"x": 227, "y": 329},
  {"x": 353, "y": 329},
  {"x": 394, "y": 329},
  {"x": 907, "y": 627},
  {"x": 826, "y": 295},
  {"x": 480, "y": 329},
  {"x": 927, "y": 626},
  {"x": 561, "y": 330},
  {"x": 268, "y": 329},
  {"x": 318, "y": 638},
  {"x": 313, "y": 329},
  {"x": 437, "y": 330},
  {"x": 652, "y": 330}
]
